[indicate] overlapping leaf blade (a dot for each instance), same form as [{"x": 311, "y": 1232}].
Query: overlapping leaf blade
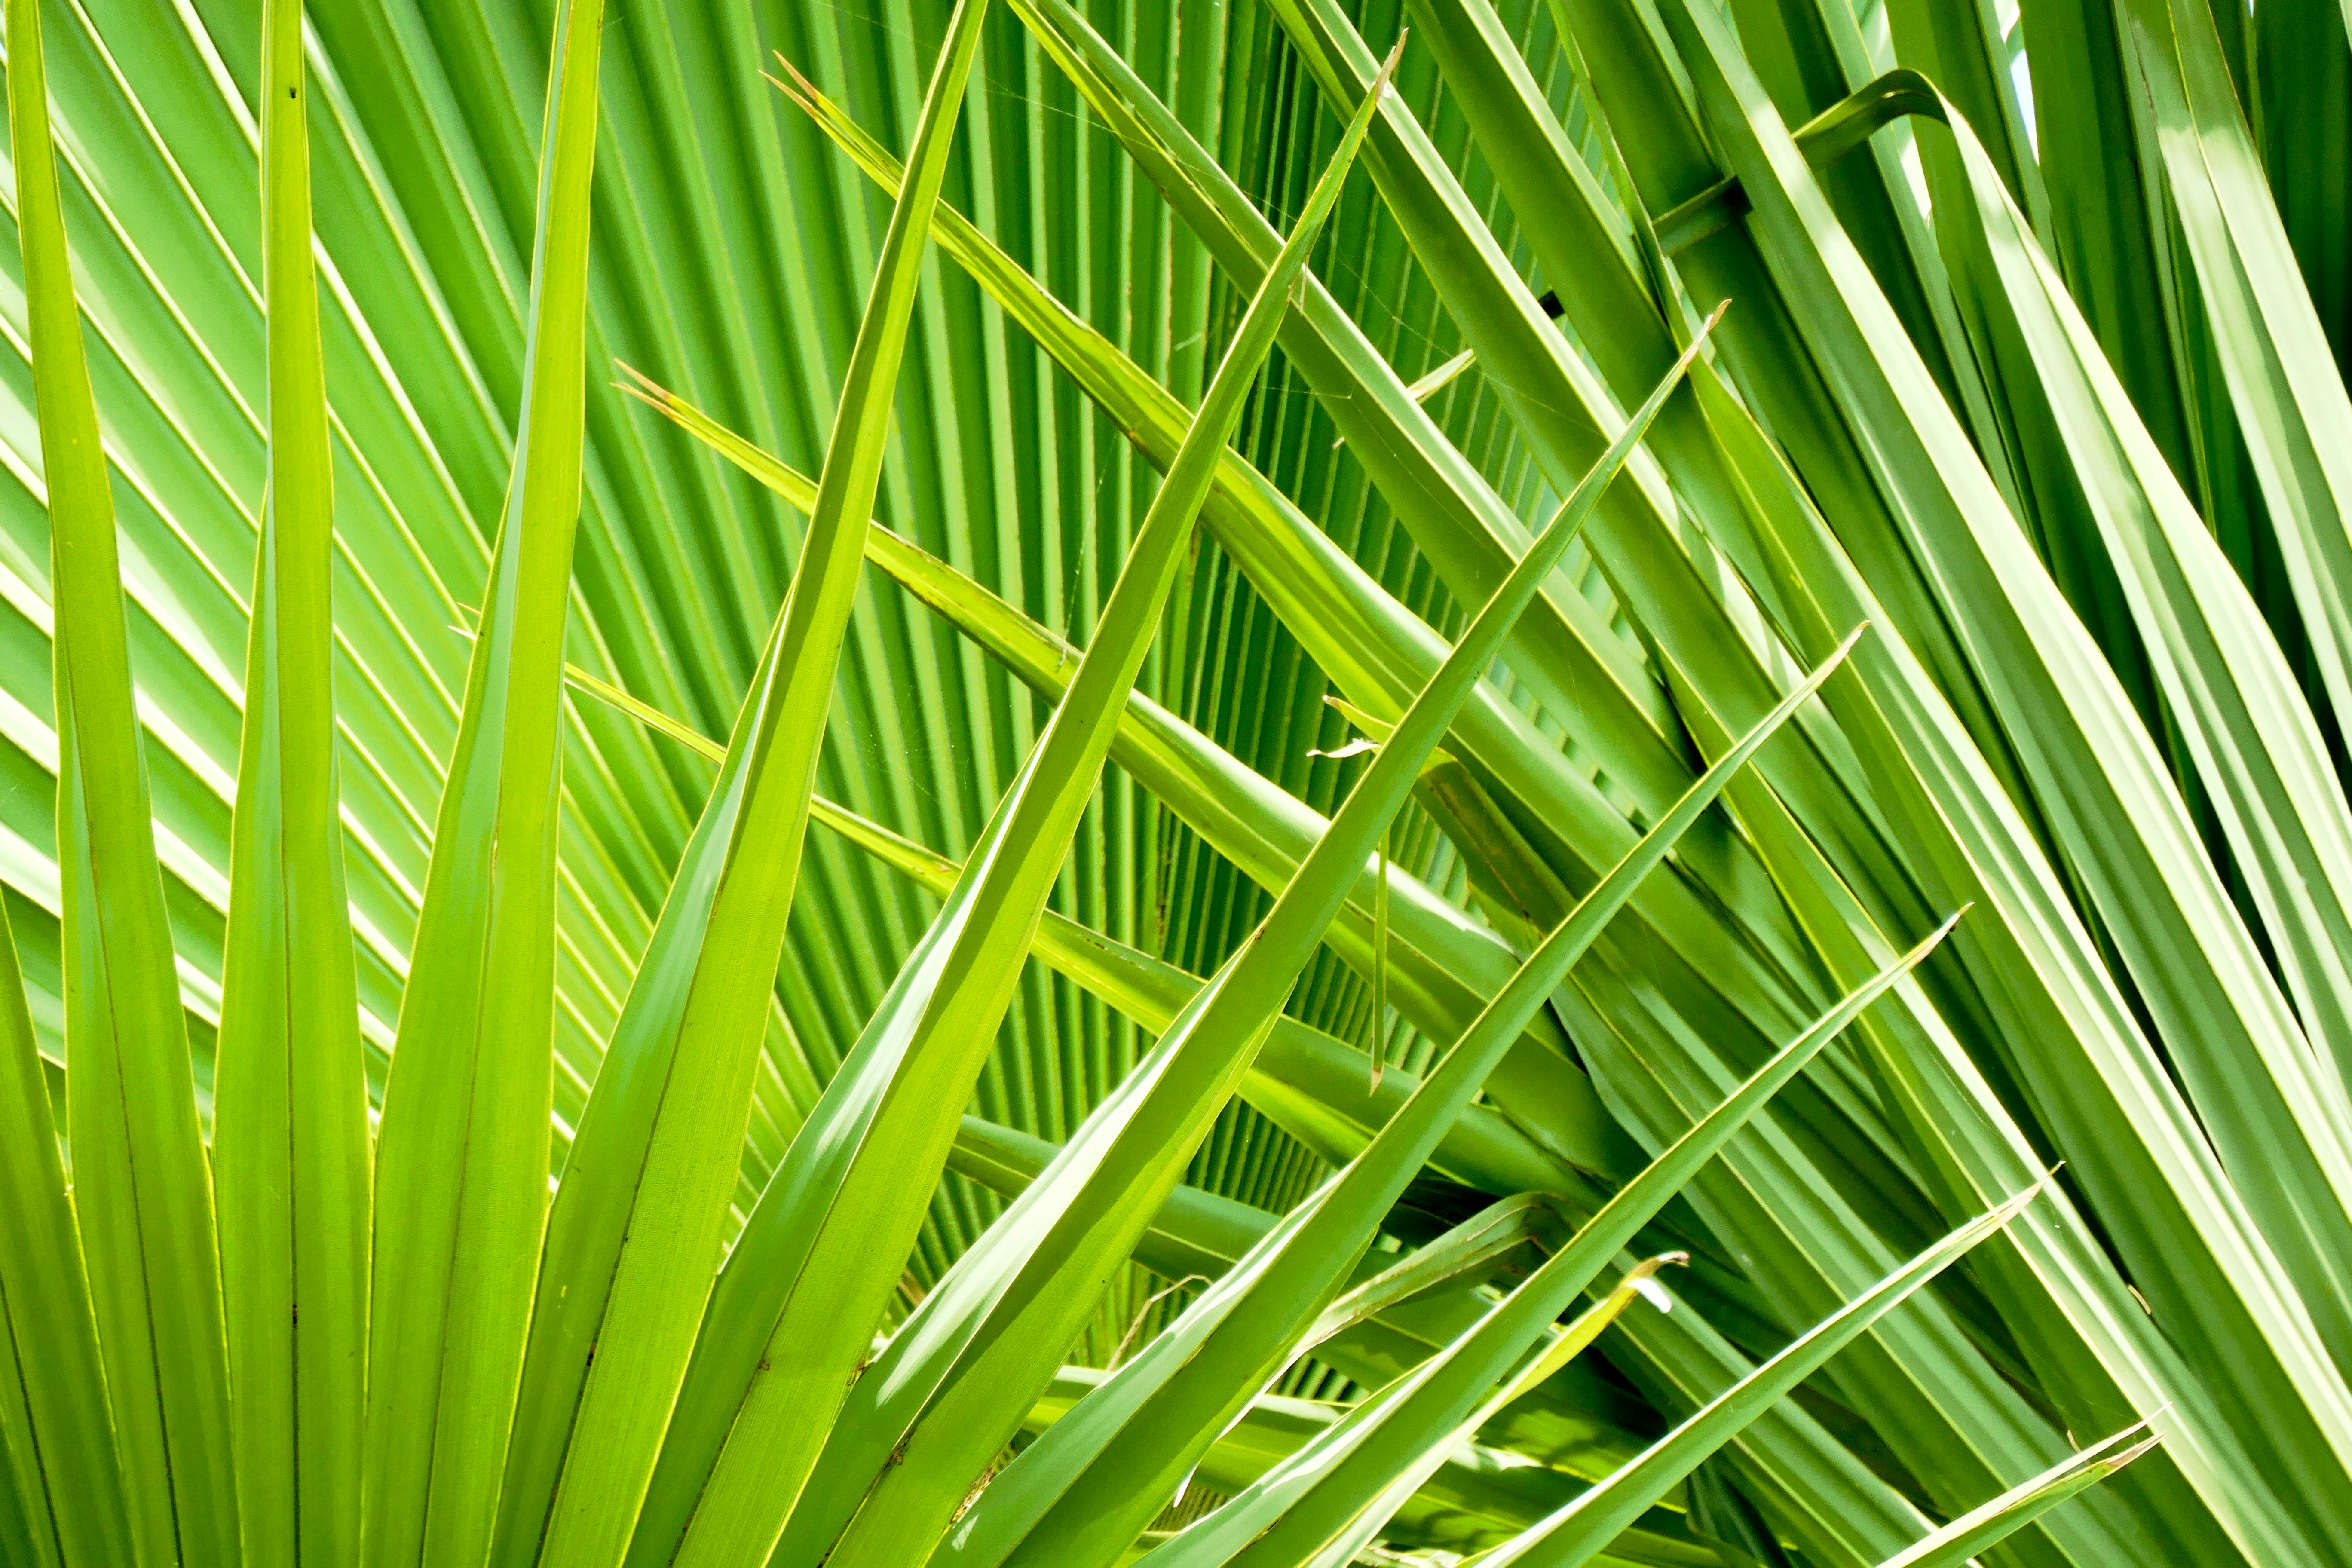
[
  {"x": 638, "y": 1240},
  {"x": 143, "y": 1191},
  {"x": 1579, "y": 1531},
  {"x": 462, "y": 1156},
  {"x": 921, "y": 1052},
  {"x": 68, "y": 1483},
  {"x": 1980, "y": 1528},
  {"x": 2184, "y": 879},
  {"x": 290, "y": 1133},
  {"x": 1788, "y": 500},
  {"x": 1091, "y": 1498},
  {"x": 1427, "y": 1415}
]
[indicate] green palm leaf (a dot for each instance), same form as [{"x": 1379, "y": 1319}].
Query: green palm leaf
[
  {"x": 752, "y": 1192},
  {"x": 68, "y": 1479},
  {"x": 291, "y": 1136},
  {"x": 143, "y": 1191},
  {"x": 921, "y": 1054},
  {"x": 461, "y": 1161},
  {"x": 2022, "y": 1504},
  {"x": 630, "y": 1269}
]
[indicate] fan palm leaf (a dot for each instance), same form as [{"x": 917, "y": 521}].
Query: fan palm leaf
[{"x": 1341, "y": 607}]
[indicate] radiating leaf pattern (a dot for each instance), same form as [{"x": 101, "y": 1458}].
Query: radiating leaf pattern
[{"x": 452, "y": 1109}]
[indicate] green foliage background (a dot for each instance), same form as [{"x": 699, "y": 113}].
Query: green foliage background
[{"x": 1978, "y": 390}]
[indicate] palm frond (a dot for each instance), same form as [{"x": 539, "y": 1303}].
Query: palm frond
[{"x": 1356, "y": 824}]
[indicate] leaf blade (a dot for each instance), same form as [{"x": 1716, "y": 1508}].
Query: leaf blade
[
  {"x": 461, "y": 1177},
  {"x": 290, "y": 1140},
  {"x": 144, "y": 1193}
]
